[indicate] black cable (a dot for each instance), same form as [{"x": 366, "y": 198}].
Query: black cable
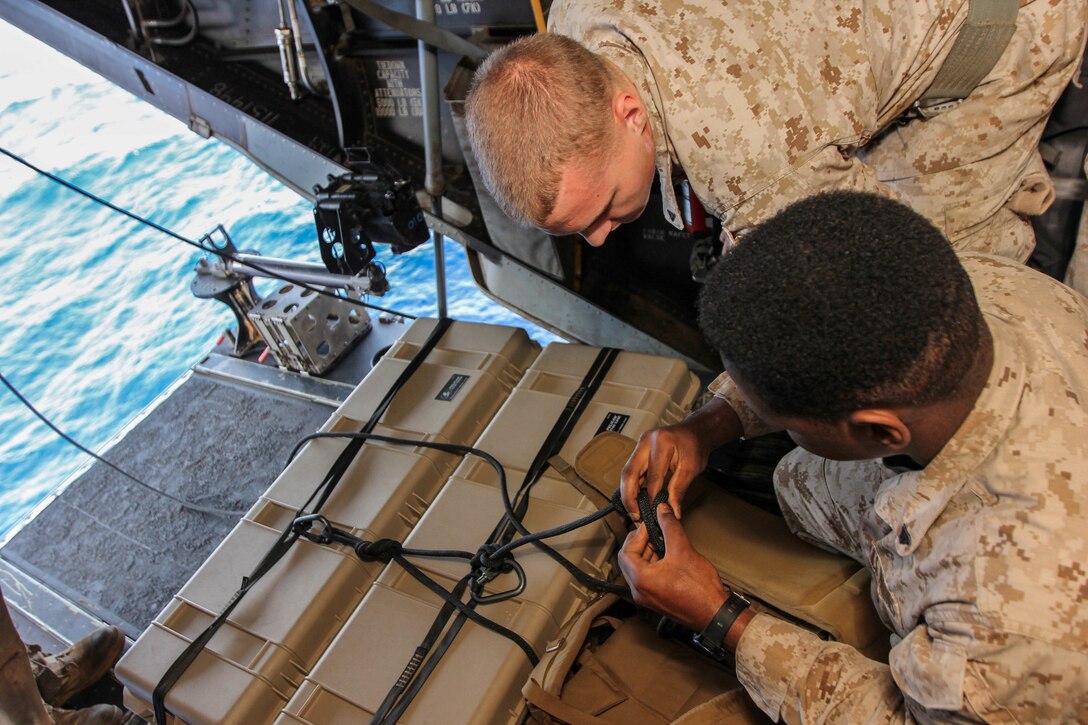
[
  {"x": 490, "y": 560},
  {"x": 185, "y": 240},
  {"x": 500, "y": 552},
  {"x": 126, "y": 474},
  {"x": 292, "y": 531}
]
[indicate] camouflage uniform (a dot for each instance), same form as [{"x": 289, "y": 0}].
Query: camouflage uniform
[
  {"x": 760, "y": 107},
  {"x": 979, "y": 561}
]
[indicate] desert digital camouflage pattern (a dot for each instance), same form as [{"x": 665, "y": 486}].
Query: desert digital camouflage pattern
[
  {"x": 763, "y": 103},
  {"x": 979, "y": 561}
]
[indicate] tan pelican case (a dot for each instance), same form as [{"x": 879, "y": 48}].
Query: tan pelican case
[
  {"x": 252, "y": 665},
  {"x": 281, "y": 644},
  {"x": 479, "y": 679}
]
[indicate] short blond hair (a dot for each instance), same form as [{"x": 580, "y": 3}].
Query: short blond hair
[{"x": 534, "y": 105}]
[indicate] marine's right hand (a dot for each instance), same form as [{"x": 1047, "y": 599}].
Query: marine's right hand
[
  {"x": 672, "y": 454},
  {"x": 675, "y": 454}
]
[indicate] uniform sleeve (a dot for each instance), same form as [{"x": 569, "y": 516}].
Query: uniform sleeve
[
  {"x": 829, "y": 169},
  {"x": 794, "y": 675},
  {"x": 938, "y": 673},
  {"x": 723, "y": 387}
]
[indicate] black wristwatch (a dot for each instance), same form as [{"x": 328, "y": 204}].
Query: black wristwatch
[{"x": 711, "y": 640}]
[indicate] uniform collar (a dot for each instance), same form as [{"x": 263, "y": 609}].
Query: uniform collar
[{"x": 910, "y": 502}]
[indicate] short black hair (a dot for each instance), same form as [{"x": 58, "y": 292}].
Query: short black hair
[{"x": 842, "y": 301}]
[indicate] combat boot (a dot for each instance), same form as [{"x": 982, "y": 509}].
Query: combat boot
[
  {"x": 62, "y": 675},
  {"x": 94, "y": 715}
]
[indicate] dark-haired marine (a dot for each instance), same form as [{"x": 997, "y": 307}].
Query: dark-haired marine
[{"x": 940, "y": 405}]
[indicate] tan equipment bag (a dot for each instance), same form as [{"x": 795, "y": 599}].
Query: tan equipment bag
[
  {"x": 635, "y": 676},
  {"x": 755, "y": 553}
]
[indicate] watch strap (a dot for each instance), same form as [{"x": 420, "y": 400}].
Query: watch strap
[{"x": 712, "y": 638}]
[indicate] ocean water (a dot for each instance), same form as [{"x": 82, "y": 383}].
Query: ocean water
[{"x": 97, "y": 319}]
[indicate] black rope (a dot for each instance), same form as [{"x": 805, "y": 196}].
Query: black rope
[
  {"x": 185, "y": 240},
  {"x": 488, "y": 560},
  {"x": 491, "y": 554},
  {"x": 394, "y": 552},
  {"x": 613, "y": 506},
  {"x": 491, "y": 559},
  {"x": 289, "y": 535},
  {"x": 182, "y": 502}
]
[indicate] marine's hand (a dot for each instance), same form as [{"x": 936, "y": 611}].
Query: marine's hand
[
  {"x": 683, "y": 585},
  {"x": 681, "y": 450},
  {"x": 673, "y": 454}
]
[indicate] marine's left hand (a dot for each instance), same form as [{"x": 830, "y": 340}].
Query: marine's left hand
[{"x": 683, "y": 585}]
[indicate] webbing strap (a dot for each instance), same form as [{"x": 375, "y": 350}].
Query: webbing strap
[
  {"x": 551, "y": 445},
  {"x": 289, "y": 536},
  {"x": 408, "y": 674},
  {"x": 397, "y": 712},
  {"x": 340, "y": 466},
  {"x": 566, "y": 421},
  {"x": 186, "y": 658},
  {"x": 429, "y": 33},
  {"x": 981, "y": 41},
  {"x": 570, "y": 416}
]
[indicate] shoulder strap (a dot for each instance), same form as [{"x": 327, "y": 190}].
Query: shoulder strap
[
  {"x": 545, "y": 684},
  {"x": 981, "y": 41}
]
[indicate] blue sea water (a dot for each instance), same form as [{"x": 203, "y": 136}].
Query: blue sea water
[{"x": 97, "y": 319}]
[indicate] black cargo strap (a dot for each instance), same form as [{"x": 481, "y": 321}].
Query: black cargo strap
[
  {"x": 407, "y": 686},
  {"x": 576, "y": 405},
  {"x": 985, "y": 34},
  {"x": 497, "y": 551},
  {"x": 553, "y": 443},
  {"x": 564, "y": 424},
  {"x": 490, "y": 557},
  {"x": 387, "y": 550},
  {"x": 289, "y": 535},
  {"x": 392, "y": 709},
  {"x": 413, "y": 27}
]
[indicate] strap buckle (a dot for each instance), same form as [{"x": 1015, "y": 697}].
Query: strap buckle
[
  {"x": 927, "y": 110},
  {"x": 488, "y": 574},
  {"x": 303, "y": 524}
]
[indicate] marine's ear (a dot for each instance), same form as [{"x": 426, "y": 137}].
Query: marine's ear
[
  {"x": 628, "y": 110},
  {"x": 880, "y": 427}
]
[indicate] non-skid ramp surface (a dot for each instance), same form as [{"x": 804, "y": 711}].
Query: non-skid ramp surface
[{"x": 120, "y": 551}]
